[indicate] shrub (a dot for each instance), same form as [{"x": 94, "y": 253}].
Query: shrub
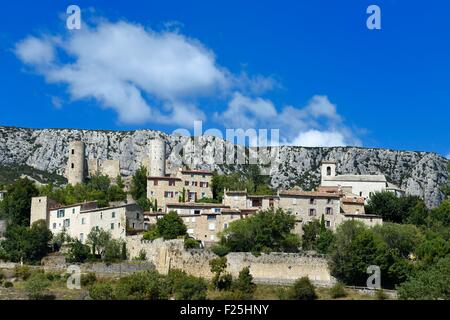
[
  {"x": 101, "y": 291},
  {"x": 142, "y": 256},
  {"x": 8, "y": 284},
  {"x": 220, "y": 250},
  {"x": 190, "y": 243},
  {"x": 190, "y": 288},
  {"x": 338, "y": 291},
  {"x": 37, "y": 285},
  {"x": 151, "y": 234},
  {"x": 303, "y": 289},
  {"x": 145, "y": 285},
  {"x": 22, "y": 272},
  {"x": 88, "y": 279},
  {"x": 53, "y": 276}
]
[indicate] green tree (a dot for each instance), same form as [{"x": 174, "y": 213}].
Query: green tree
[
  {"x": 78, "y": 252},
  {"x": 138, "y": 188},
  {"x": 429, "y": 284},
  {"x": 385, "y": 204},
  {"x": 354, "y": 250},
  {"x": 171, "y": 226},
  {"x": 221, "y": 280},
  {"x": 27, "y": 244},
  {"x": 98, "y": 239},
  {"x": 268, "y": 230},
  {"x": 114, "y": 251},
  {"x": 303, "y": 289},
  {"x": 16, "y": 206},
  {"x": 431, "y": 250},
  {"x": 317, "y": 237},
  {"x": 244, "y": 283},
  {"x": 403, "y": 238}
]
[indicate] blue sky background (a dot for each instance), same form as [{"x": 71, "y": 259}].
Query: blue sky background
[{"x": 391, "y": 87}]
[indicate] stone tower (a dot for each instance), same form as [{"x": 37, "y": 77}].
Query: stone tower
[
  {"x": 76, "y": 166},
  {"x": 328, "y": 169},
  {"x": 157, "y": 158}
]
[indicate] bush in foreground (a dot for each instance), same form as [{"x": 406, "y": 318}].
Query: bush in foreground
[{"x": 303, "y": 289}]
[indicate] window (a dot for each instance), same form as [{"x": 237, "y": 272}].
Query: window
[
  {"x": 101, "y": 215},
  {"x": 212, "y": 227},
  {"x": 67, "y": 223},
  {"x": 112, "y": 226},
  {"x": 186, "y": 183},
  {"x": 329, "y": 201},
  {"x": 197, "y": 212},
  {"x": 72, "y": 166},
  {"x": 360, "y": 194},
  {"x": 211, "y": 217},
  {"x": 312, "y": 212},
  {"x": 328, "y": 223},
  {"x": 81, "y": 237},
  {"x": 329, "y": 210},
  {"x": 60, "y": 214},
  {"x": 113, "y": 214},
  {"x": 203, "y": 195},
  {"x": 73, "y": 151},
  {"x": 225, "y": 226},
  {"x": 73, "y": 211},
  {"x": 168, "y": 194},
  {"x": 138, "y": 216},
  {"x": 83, "y": 220},
  {"x": 312, "y": 201},
  {"x": 216, "y": 210},
  {"x": 54, "y": 226},
  {"x": 171, "y": 183},
  {"x": 155, "y": 182},
  {"x": 328, "y": 171},
  {"x": 134, "y": 225}
]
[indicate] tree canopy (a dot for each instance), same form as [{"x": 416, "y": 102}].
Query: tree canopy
[
  {"x": 266, "y": 231},
  {"x": 16, "y": 206}
]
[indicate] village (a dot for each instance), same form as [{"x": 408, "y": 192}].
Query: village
[{"x": 339, "y": 198}]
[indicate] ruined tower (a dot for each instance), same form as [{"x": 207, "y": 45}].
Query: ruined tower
[
  {"x": 76, "y": 167},
  {"x": 157, "y": 158}
]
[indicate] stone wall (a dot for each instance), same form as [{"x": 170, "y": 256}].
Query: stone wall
[{"x": 276, "y": 268}]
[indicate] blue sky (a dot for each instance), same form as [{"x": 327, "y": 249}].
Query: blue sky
[{"x": 309, "y": 68}]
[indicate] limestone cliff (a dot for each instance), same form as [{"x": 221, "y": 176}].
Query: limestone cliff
[{"x": 419, "y": 173}]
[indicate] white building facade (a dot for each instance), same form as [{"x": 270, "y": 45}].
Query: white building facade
[{"x": 359, "y": 185}]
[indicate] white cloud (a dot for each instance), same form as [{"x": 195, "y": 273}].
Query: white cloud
[
  {"x": 448, "y": 156},
  {"x": 35, "y": 51},
  {"x": 315, "y": 138},
  {"x": 145, "y": 76},
  {"x": 316, "y": 124}
]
